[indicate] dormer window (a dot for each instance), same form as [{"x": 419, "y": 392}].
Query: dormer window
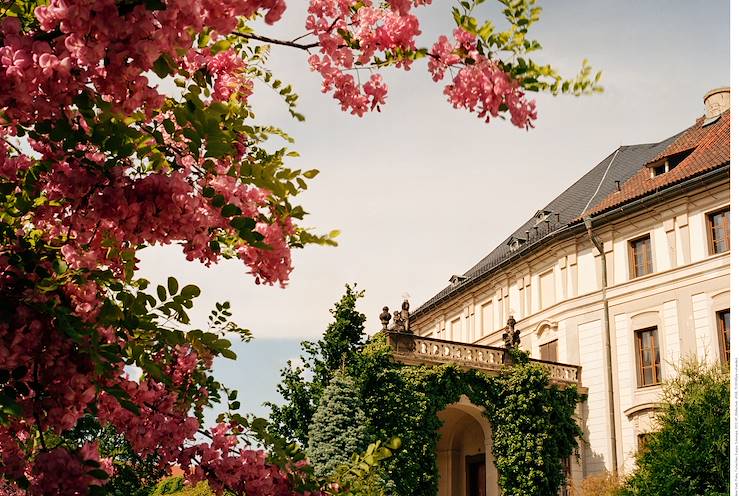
[
  {"x": 515, "y": 243},
  {"x": 661, "y": 168},
  {"x": 669, "y": 163},
  {"x": 457, "y": 279},
  {"x": 542, "y": 216}
]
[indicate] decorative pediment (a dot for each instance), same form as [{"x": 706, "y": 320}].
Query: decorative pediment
[
  {"x": 641, "y": 408},
  {"x": 546, "y": 325}
]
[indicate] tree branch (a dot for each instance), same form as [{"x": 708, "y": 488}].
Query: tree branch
[{"x": 274, "y": 41}]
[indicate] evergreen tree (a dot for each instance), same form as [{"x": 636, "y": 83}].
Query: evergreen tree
[
  {"x": 302, "y": 385},
  {"x": 338, "y": 429}
]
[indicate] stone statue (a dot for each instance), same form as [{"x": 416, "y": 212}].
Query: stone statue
[
  {"x": 398, "y": 324},
  {"x": 385, "y": 318},
  {"x": 401, "y": 319},
  {"x": 405, "y": 314},
  {"x": 511, "y": 336}
]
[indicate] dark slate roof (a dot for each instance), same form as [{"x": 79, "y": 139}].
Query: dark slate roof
[{"x": 585, "y": 193}]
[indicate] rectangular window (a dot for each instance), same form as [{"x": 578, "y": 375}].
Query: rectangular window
[
  {"x": 487, "y": 318},
  {"x": 724, "y": 320},
  {"x": 499, "y": 314},
  {"x": 641, "y": 256},
  {"x": 718, "y": 231},
  {"x": 548, "y": 351},
  {"x": 647, "y": 357},
  {"x": 456, "y": 330},
  {"x": 546, "y": 289},
  {"x": 642, "y": 439}
]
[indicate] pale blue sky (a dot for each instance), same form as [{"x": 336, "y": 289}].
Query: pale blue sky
[{"x": 423, "y": 191}]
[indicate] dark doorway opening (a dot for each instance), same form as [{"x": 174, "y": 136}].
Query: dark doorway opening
[{"x": 476, "y": 475}]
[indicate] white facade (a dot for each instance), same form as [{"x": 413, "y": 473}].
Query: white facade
[{"x": 555, "y": 293}]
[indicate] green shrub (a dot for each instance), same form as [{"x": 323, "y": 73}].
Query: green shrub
[{"x": 689, "y": 453}]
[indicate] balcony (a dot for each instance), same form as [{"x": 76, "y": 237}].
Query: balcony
[{"x": 410, "y": 349}]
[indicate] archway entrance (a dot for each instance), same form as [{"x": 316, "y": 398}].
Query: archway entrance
[{"x": 464, "y": 452}]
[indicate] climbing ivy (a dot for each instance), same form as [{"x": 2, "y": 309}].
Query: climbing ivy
[{"x": 533, "y": 422}]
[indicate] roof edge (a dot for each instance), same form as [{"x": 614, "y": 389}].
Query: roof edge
[{"x": 713, "y": 175}]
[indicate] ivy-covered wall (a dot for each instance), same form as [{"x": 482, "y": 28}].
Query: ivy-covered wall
[{"x": 533, "y": 422}]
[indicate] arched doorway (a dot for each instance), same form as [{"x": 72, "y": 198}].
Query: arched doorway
[{"x": 464, "y": 452}]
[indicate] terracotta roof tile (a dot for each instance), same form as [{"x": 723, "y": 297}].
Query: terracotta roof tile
[{"x": 710, "y": 149}]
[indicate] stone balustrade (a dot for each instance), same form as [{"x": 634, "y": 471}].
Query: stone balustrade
[{"x": 416, "y": 350}]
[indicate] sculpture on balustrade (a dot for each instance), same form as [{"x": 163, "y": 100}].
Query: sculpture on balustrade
[
  {"x": 401, "y": 319},
  {"x": 511, "y": 336}
]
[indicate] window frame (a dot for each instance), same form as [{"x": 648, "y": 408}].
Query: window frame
[
  {"x": 633, "y": 252},
  {"x": 724, "y": 341},
  {"x": 712, "y": 245},
  {"x": 546, "y": 346},
  {"x": 656, "y": 365}
]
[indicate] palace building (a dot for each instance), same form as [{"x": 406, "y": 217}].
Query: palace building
[{"x": 610, "y": 285}]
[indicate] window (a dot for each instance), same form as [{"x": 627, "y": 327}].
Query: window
[
  {"x": 658, "y": 170},
  {"x": 487, "y": 318},
  {"x": 718, "y": 231},
  {"x": 647, "y": 357},
  {"x": 546, "y": 289},
  {"x": 549, "y": 351},
  {"x": 642, "y": 440},
  {"x": 724, "y": 319},
  {"x": 641, "y": 256},
  {"x": 456, "y": 330}
]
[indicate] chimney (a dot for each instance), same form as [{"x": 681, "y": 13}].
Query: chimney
[{"x": 717, "y": 102}]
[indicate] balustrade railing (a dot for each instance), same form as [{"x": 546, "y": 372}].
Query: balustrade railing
[{"x": 414, "y": 350}]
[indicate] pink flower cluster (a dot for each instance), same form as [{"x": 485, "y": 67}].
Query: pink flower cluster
[
  {"x": 243, "y": 471},
  {"x": 58, "y": 470},
  {"x": 480, "y": 87},
  {"x": 102, "y": 48},
  {"x": 375, "y": 29},
  {"x": 228, "y": 69}
]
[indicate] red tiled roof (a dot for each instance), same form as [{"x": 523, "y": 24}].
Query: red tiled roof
[{"x": 710, "y": 149}]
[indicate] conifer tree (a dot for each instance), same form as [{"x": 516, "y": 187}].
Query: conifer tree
[
  {"x": 338, "y": 429},
  {"x": 302, "y": 385}
]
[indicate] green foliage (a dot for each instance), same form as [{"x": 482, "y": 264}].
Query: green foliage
[
  {"x": 512, "y": 47},
  {"x": 361, "y": 477},
  {"x": 689, "y": 453},
  {"x": 522, "y": 407},
  {"x": 176, "y": 486},
  {"x": 303, "y": 385},
  {"x": 337, "y": 428},
  {"x": 533, "y": 421}
]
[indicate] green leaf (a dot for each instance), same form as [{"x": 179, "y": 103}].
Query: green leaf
[
  {"x": 190, "y": 291},
  {"x": 230, "y": 210},
  {"x": 161, "y": 67},
  {"x": 172, "y": 285},
  {"x": 98, "y": 474},
  {"x": 220, "y": 46}
]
